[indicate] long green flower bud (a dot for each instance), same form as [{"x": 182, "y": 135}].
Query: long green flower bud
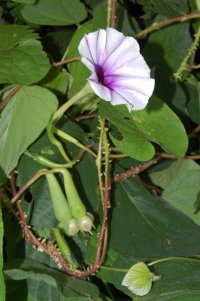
[
  {"x": 78, "y": 209},
  {"x": 61, "y": 208},
  {"x": 64, "y": 248}
]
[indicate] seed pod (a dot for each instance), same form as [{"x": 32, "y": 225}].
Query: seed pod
[
  {"x": 60, "y": 206},
  {"x": 78, "y": 210}
]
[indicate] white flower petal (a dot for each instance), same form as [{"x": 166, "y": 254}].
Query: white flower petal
[
  {"x": 119, "y": 72},
  {"x": 142, "y": 85},
  {"x": 102, "y": 91},
  {"x": 114, "y": 38},
  {"x": 138, "y": 67},
  {"x": 87, "y": 46},
  {"x": 134, "y": 100},
  {"x": 125, "y": 53},
  {"x": 88, "y": 64},
  {"x": 100, "y": 47}
]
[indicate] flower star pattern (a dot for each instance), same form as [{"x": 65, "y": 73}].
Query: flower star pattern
[{"x": 119, "y": 72}]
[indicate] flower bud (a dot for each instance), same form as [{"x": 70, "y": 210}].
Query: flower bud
[
  {"x": 70, "y": 228},
  {"x": 85, "y": 223}
]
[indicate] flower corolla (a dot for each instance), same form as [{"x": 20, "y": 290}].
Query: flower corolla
[{"x": 120, "y": 74}]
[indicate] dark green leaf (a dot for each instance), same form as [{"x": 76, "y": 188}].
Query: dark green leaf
[
  {"x": 22, "y": 121},
  {"x": 55, "y": 12},
  {"x": 168, "y": 8},
  {"x": 30, "y": 269},
  {"x": 181, "y": 186},
  {"x": 151, "y": 229},
  {"x": 24, "y": 64},
  {"x": 193, "y": 105},
  {"x": 24, "y": 1},
  {"x": 139, "y": 128},
  {"x": 167, "y": 47},
  {"x": 13, "y": 35}
]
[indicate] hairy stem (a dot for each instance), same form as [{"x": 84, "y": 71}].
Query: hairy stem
[
  {"x": 190, "y": 53},
  {"x": 159, "y": 25}
]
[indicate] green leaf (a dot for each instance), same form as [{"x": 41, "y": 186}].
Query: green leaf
[
  {"x": 38, "y": 272},
  {"x": 167, "y": 48},
  {"x": 151, "y": 230},
  {"x": 193, "y": 105},
  {"x": 157, "y": 123},
  {"x": 24, "y": 1},
  {"x": 2, "y": 285},
  {"x": 161, "y": 125},
  {"x": 12, "y": 35},
  {"x": 24, "y": 64},
  {"x": 22, "y": 121},
  {"x": 56, "y": 81},
  {"x": 55, "y": 12},
  {"x": 181, "y": 186},
  {"x": 168, "y": 8}
]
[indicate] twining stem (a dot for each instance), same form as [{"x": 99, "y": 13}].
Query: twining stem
[
  {"x": 18, "y": 194},
  {"x": 50, "y": 248},
  {"x": 159, "y": 25},
  {"x": 190, "y": 53},
  {"x": 135, "y": 170}
]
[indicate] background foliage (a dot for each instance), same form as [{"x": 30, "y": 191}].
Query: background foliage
[{"x": 155, "y": 191}]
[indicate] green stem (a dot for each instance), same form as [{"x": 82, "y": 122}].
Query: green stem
[
  {"x": 109, "y": 290},
  {"x": 82, "y": 93},
  {"x": 99, "y": 159},
  {"x": 173, "y": 258},
  {"x": 152, "y": 263},
  {"x": 56, "y": 142},
  {"x": 45, "y": 162},
  {"x": 59, "y": 114},
  {"x": 73, "y": 140},
  {"x": 113, "y": 269}
]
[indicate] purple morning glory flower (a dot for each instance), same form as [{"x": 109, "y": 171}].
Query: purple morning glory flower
[{"x": 119, "y": 72}]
